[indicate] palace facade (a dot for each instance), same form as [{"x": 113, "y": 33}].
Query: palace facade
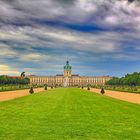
[{"x": 67, "y": 79}]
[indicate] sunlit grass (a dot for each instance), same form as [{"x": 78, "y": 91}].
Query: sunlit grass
[{"x": 69, "y": 114}]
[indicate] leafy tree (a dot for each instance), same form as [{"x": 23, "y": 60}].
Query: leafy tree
[
  {"x": 6, "y": 80},
  {"x": 128, "y": 80},
  {"x": 22, "y": 74}
]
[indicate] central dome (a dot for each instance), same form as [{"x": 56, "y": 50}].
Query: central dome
[{"x": 67, "y": 66}]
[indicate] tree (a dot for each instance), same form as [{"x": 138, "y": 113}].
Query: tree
[
  {"x": 6, "y": 80},
  {"x": 25, "y": 81},
  {"x": 129, "y": 80},
  {"x": 22, "y": 74}
]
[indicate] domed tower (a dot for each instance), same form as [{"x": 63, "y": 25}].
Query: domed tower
[{"x": 67, "y": 70}]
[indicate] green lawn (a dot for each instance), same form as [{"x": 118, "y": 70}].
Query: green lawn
[{"x": 69, "y": 114}]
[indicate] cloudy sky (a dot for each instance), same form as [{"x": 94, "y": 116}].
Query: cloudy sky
[{"x": 99, "y": 37}]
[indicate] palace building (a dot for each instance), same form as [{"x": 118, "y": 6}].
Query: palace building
[{"x": 67, "y": 79}]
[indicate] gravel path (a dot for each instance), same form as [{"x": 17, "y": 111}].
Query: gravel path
[
  {"x": 8, "y": 95},
  {"x": 130, "y": 97}
]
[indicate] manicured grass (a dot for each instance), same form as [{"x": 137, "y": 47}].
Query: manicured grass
[{"x": 69, "y": 114}]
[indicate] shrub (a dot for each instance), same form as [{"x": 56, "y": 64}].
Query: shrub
[
  {"x": 82, "y": 87},
  {"x": 46, "y": 88},
  {"x": 88, "y": 88},
  {"x": 135, "y": 89},
  {"x": 31, "y": 91},
  {"x": 102, "y": 91},
  {"x": 51, "y": 87}
]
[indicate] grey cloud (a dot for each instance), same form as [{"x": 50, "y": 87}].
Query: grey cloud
[
  {"x": 27, "y": 39},
  {"x": 102, "y": 12},
  {"x": 18, "y": 42}
]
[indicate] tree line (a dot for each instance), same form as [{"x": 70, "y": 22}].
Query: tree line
[
  {"x": 128, "y": 80},
  {"x": 6, "y": 80}
]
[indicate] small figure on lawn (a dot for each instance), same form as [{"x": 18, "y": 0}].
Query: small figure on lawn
[
  {"x": 31, "y": 91},
  {"x": 102, "y": 91},
  {"x": 82, "y": 87},
  {"x": 88, "y": 88}
]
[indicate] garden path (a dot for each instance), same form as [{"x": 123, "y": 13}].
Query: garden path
[
  {"x": 8, "y": 95},
  {"x": 125, "y": 96}
]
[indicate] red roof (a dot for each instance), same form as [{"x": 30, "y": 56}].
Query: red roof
[
  {"x": 59, "y": 75},
  {"x": 14, "y": 76},
  {"x": 75, "y": 75}
]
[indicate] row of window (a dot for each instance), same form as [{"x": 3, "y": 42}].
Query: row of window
[
  {"x": 70, "y": 80},
  {"x": 74, "y": 81}
]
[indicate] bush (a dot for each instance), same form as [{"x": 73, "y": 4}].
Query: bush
[
  {"x": 82, "y": 87},
  {"x": 46, "y": 88},
  {"x": 88, "y": 88},
  {"x": 51, "y": 87},
  {"x": 135, "y": 89},
  {"x": 102, "y": 91},
  {"x": 31, "y": 91}
]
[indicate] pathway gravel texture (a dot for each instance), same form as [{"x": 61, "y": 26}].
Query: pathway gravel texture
[
  {"x": 125, "y": 96},
  {"x": 9, "y": 95}
]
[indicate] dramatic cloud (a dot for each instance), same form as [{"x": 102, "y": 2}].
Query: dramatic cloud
[
  {"x": 5, "y": 70},
  {"x": 38, "y": 36}
]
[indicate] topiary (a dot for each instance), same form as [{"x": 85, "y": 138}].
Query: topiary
[
  {"x": 88, "y": 88},
  {"x": 46, "y": 88},
  {"x": 102, "y": 91},
  {"x": 31, "y": 91}
]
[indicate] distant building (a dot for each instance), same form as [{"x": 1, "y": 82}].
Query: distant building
[{"x": 67, "y": 79}]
